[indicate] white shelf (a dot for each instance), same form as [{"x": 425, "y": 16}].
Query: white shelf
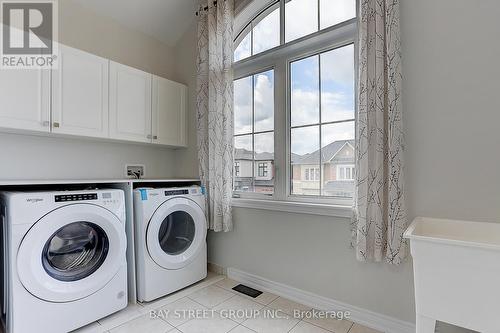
[{"x": 23, "y": 182}]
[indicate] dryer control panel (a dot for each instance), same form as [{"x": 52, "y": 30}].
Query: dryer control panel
[
  {"x": 193, "y": 190},
  {"x": 176, "y": 192}
]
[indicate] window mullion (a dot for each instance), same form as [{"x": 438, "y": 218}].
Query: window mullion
[
  {"x": 280, "y": 131},
  {"x": 320, "y": 128},
  {"x": 319, "y": 15},
  {"x": 253, "y": 133},
  {"x": 251, "y": 38},
  {"x": 282, "y": 22}
]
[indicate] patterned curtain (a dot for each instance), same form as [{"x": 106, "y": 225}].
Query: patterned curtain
[
  {"x": 379, "y": 204},
  {"x": 215, "y": 109}
]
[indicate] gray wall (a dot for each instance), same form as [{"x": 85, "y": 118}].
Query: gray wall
[
  {"x": 82, "y": 28},
  {"x": 452, "y": 107},
  {"x": 186, "y": 64},
  {"x": 451, "y": 113},
  {"x": 32, "y": 157}
]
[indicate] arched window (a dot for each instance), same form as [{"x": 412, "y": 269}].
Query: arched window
[
  {"x": 295, "y": 101},
  {"x": 261, "y": 34}
]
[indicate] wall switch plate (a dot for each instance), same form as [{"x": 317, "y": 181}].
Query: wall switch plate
[{"x": 135, "y": 171}]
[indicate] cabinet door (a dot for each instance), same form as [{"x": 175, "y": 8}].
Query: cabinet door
[
  {"x": 25, "y": 99},
  {"x": 80, "y": 94},
  {"x": 130, "y": 103},
  {"x": 169, "y": 112}
]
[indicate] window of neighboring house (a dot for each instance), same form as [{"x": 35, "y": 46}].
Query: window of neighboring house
[
  {"x": 345, "y": 172},
  {"x": 236, "y": 169},
  {"x": 312, "y": 174},
  {"x": 262, "y": 169},
  {"x": 254, "y": 128},
  {"x": 309, "y": 44}
]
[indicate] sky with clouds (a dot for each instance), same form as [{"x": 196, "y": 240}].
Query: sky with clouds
[
  {"x": 266, "y": 34},
  {"x": 263, "y": 115},
  {"x": 336, "y": 85},
  {"x": 301, "y": 16},
  {"x": 263, "y": 103}
]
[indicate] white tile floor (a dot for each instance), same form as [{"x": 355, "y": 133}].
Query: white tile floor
[{"x": 211, "y": 306}]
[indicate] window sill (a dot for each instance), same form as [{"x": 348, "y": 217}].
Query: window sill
[{"x": 294, "y": 207}]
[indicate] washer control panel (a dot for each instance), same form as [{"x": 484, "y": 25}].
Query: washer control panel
[{"x": 75, "y": 197}]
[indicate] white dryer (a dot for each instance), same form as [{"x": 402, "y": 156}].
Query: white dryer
[
  {"x": 171, "y": 248},
  {"x": 64, "y": 264}
]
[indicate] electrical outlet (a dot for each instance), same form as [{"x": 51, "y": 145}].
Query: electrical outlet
[{"x": 135, "y": 171}]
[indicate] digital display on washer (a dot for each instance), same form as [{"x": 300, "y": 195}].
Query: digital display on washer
[
  {"x": 76, "y": 197},
  {"x": 176, "y": 192}
]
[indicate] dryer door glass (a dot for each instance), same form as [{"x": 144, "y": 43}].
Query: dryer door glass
[
  {"x": 75, "y": 251},
  {"x": 176, "y": 233}
]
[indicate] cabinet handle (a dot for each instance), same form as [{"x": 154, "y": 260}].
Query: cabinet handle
[
  {"x": 155, "y": 137},
  {"x": 45, "y": 123},
  {"x": 56, "y": 124},
  {"x": 149, "y": 136}
]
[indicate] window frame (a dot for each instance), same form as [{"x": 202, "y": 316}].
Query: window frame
[
  {"x": 248, "y": 29},
  {"x": 279, "y": 59}
]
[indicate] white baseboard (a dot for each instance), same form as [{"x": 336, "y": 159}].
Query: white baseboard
[{"x": 364, "y": 317}]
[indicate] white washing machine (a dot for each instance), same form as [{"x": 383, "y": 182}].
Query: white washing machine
[
  {"x": 171, "y": 247},
  {"x": 64, "y": 263}
]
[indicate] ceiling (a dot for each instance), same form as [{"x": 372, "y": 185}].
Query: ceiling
[{"x": 165, "y": 20}]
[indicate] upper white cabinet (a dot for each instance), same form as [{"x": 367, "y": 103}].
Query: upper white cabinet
[
  {"x": 130, "y": 103},
  {"x": 25, "y": 99},
  {"x": 94, "y": 97},
  {"x": 80, "y": 94},
  {"x": 169, "y": 112}
]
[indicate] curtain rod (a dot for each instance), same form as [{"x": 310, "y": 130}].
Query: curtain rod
[{"x": 204, "y": 9}]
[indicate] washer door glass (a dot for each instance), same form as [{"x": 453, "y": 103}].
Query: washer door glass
[
  {"x": 176, "y": 233},
  {"x": 75, "y": 251}
]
